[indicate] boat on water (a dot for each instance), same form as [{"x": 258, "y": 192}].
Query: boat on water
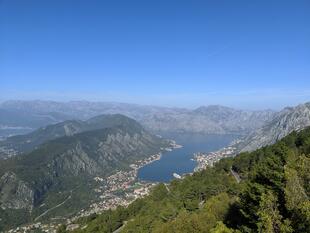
[{"x": 176, "y": 175}]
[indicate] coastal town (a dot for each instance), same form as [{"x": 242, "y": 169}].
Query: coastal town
[
  {"x": 208, "y": 159},
  {"x": 7, "y": 152},
  {"x": 119, "y": 189},
  {"x": 123, "y": 187}
]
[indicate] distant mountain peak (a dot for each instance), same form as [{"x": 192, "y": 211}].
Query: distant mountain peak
[
  {"x": 213, "y": 108},
  {"x": 286, "y": 121}
]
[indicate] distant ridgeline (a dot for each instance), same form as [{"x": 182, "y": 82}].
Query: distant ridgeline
[
  {"x": 61, "y": 162},
  {"x": 210, "y": 119},
  {"x": 273, "y": 196},
  {"x": 20, "y": 144}
]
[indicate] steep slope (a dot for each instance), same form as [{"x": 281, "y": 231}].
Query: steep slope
[
  {"x": 51, "y": 172},
  {"x": 273, "y": 196},
  {"x": 210, "y": 119},
  {"x": 288, "y": 120},
  {"x": 25, "y": 143}
]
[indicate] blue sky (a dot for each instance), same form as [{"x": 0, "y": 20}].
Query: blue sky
[{"x": 247, "y": 54}]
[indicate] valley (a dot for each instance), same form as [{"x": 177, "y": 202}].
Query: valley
[{"x": 77, "y": 169}]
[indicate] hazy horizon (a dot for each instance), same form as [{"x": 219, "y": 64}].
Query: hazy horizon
[{"x": 156, "y": 105}]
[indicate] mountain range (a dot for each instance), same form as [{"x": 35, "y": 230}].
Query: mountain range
[
  {"x": 257, "y": 128},
  {"x": 212, "y": 119},
  {"x": 63, "y": 161}
]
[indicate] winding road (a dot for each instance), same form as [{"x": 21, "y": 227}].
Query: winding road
[
  {"x": 236, "y": 175},
  {"x": 60, "y": 204}
]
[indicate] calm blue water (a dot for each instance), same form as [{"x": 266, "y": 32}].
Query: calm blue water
[{"x": 179, "y": 160}]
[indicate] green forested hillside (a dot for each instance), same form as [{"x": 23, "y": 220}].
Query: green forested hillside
[
  {"x": 273, "y": 196},
  {"x": 63, "y": 170}
]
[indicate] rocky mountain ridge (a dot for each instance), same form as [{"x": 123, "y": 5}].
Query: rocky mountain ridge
[
  {"x": 212, "y": 119},
  {"x": 286, "y": 121}
]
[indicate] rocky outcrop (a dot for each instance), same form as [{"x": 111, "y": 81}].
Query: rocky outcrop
[
  {"x": 286, "y": 121},
  {"x": 15, "y": 193},
  {"x": 117, "y": 147}
]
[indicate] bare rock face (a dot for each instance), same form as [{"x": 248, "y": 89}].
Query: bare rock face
[
  {"x": 116, "y": 147},
  {"x": 286, "y": 121},
  {"x": 15, "y": 193}
]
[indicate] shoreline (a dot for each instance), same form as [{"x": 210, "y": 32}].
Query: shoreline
[
  {"x": 208, "y": 159},
  {"x": 107, "y": 187},
  {"x": 205, "y": 160},
  {"x": 128, "y": 182},
  {"x": 125, "y": 181}
]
